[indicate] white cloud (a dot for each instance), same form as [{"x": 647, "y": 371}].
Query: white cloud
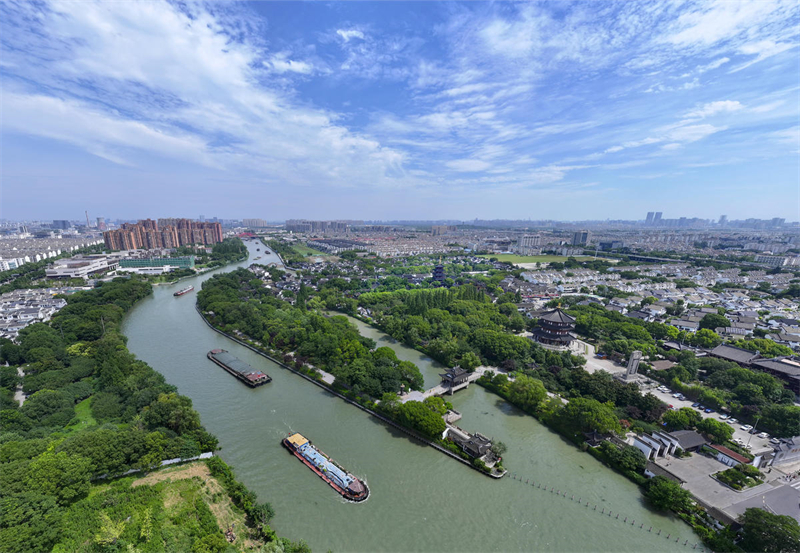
[
  {"x": 672, "y": 146},
  {"x": 280, "y": 64},
  {"x": 714, "y": 108},
  {"x": 348, "y": 34},
  {"x": 764, "y": 108},
  {"x": 713, "y": 65},
  {"x": 713, "y": 22},
  {"x": 762, "y": 50},
  {"x": 200, "y": 88},
  {"x": 692, "y": 133},
  {"x": 468, "y": 165}
]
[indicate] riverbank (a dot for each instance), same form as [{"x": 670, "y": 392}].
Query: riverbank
[{"x": 329, "y": 388}]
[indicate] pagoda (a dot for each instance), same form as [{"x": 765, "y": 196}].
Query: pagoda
[{"x": 555, "y": 330}]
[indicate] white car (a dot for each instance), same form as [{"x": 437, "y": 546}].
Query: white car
[
  {"x": 732, "y": 420},
  {"x": 738, "y": 441},
  {"x": 676, "y": 395},
  {"x": 747, "y": 427},
  {"x": 748, "y": 446},
  {"x": 774, "y": 441},
  {"x": 723, "y": 417},
  {"x": 763, "y": 435}
]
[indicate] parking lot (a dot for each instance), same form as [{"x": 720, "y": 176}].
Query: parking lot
[{"x": 758, "y": 444}]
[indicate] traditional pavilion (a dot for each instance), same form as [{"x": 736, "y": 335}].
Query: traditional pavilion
[{"x": 555, "y": 330}]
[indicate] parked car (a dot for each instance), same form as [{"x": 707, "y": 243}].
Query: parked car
[
  {"x": 775, "y": 441},
  {"x": 752, "y": 431},
  {"x": 763, "y": 435},
  {"x": 723, "y": 417},
  {"x": 732, "y": 420},
  {"x": 701, "y": 407},
  {"x": 747, "y": 427},
  {"x": 695, "y": 405},
  {"x": 709, "y": 410},
  {"x": 676, "y": 395},
  {"x": 748, "y": 446},
  {"x": 738, "y": 441}
]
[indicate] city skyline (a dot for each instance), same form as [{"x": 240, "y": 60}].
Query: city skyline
[{"x": 401, "y": 111}]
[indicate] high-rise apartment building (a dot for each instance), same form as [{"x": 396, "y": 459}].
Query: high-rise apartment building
[
  {"x": 581, "y": 238},
  {"x": 164, "y": 233},
  {"x": 649, "y": 220},
  {"x": 61, "y": 224},
  {"x": 529, "y": 244},
  {"x": 254, "y": 223},
  {"x": 657, "y": 218}
]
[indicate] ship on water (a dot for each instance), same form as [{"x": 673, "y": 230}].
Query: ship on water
[
  {"x": 238, "y": 368},
  {"x": 347, "y": 485},
  {"x": 184, "y": 291}
]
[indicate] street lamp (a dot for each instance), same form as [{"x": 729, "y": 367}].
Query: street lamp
[{"x": 753, "y": 431}]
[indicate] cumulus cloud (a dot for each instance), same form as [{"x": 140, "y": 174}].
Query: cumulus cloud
[{"x": 202, "y": 99}]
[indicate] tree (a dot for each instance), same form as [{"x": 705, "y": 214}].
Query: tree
[
  {"x": 631, "y": 458},
  {"x": 705, "y": 338},
  {"x": 469, "y": 361},
  {"x": 719, "y": 432},
  {"x": 665, "y": 494},
  {"x": 763, "y": 531},
  {"x": 418, "y": 416},
  {"x": 681, "y": 419},
  {"x": 526, "y": 392},
  {"x": 64, "y": 476},
  {"x": 712, "y": 321},
  {"x": 589, "y": 414}
]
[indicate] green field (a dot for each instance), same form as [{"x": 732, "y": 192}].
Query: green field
[
  {"x": 305, "y": 251},
  {"x": 512, "y": 258}
]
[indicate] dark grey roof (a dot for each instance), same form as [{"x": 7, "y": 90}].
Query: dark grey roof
[
  {"x": 557, "y": 316},
  {"x": 688, "y": 438},
  {"x": 732, "y": 353},
  {"x": 786, "y": 365}
]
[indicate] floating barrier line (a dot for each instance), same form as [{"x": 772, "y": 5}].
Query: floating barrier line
[{"x": 602, "y": 511}]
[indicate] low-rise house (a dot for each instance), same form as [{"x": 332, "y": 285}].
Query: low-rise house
[{"x": 728, "y": 456}]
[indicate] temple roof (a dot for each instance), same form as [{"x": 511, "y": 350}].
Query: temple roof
[{"x": 557, "y": 316}]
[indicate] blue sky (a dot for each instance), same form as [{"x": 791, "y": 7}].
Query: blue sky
[{"x": 383, "y": 110}]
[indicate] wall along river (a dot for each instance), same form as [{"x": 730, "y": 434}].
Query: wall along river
[{"x": 420, "y": 499}]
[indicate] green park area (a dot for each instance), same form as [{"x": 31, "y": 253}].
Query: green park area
[
  {"x": 513, "y": 258},
  {"x": 304, "y": 250}
]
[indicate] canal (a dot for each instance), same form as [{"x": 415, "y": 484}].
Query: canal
[{"x": 421, "y": 500}]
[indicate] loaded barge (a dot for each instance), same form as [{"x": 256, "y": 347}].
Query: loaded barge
[
  {"x": 347, "y": 485},
  {"x": 184, "y": 291},
  {"x": 238, "y": 368}
]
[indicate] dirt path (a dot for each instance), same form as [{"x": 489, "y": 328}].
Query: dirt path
[{"x": 178, "y": 473}]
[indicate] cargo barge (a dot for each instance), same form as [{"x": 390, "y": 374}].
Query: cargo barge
[
  {"x": 238, "y": 368},
  {"x": 347, "y": 485},
  {"x": 184, "y": 291}
]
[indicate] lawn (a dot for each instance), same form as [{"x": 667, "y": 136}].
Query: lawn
[
  {"x": 83, "y": 414},
  {"x": 512, "y": 258},
  {"x": 304, "y": 250}
]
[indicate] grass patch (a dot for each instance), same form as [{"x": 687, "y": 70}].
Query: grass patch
[
  {"x": 178, "y": 509},
  {"x": 83, "y": 416},
  {"x": 513, "y": 258},
  {"x": 304, "y": 250}
]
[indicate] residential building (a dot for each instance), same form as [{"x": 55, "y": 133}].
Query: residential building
[{"x": 581, "y": 238}]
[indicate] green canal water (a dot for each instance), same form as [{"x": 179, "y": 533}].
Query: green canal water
[{"x": 420, "y": 499}]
